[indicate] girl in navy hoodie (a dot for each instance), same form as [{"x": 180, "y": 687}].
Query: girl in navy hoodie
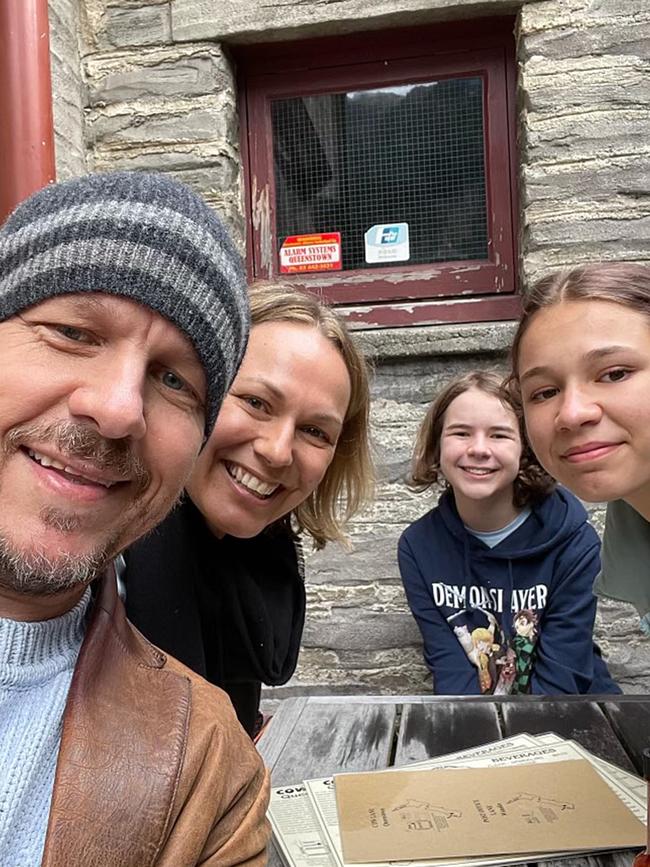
[{"x": 499, "y": 575}]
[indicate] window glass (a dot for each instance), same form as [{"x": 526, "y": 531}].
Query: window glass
[{"x": 406, "y": 154}]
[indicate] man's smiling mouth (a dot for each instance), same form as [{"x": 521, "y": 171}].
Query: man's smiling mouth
[
  {"x": 261, "y": 489},
  {"x": 69, "y": 472}
]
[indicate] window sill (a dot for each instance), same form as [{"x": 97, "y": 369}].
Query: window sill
[{"x": 491, "y": 338}]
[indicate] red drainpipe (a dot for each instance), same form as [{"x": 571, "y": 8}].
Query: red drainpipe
[{"x": 26, "y": 125}]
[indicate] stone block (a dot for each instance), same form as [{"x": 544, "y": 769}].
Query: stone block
[
  {"x": 157, "y": 73},
  {"x": 552, "y": 15},
  {"x": 436, "y": 340},
  {"x": 359, "y": 628},
  {"x": 413, "y": 381},
  {"x": 394, "y": 671},
  {"x": 208, "y": 169},
  {"x": 624, "y": 175},
  {"x": 256, "y": 20},
  {"x": 582, "y": 211},
  {"x": 542, "y": 259},
  {"x": 614, "y": 10},
  {"x": 372, "y": 557},
  {"x": 169, "y": 123},
  {"x": 67, "y": 88},
  {"x": 596, "y": 230},
  {"x": 573, "y": 136},
  {"x": 595, "y": 82},
  {"x": 130, "y": 24},
  {"x": 622, "y": 38}
]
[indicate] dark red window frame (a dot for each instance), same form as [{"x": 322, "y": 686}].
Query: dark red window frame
[{"x": 465, "y": 291}]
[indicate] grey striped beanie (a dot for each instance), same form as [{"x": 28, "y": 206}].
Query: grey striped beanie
[{"x": 146, "y": 237}]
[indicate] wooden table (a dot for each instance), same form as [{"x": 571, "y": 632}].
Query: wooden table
[{"x": 322, "y": 735}]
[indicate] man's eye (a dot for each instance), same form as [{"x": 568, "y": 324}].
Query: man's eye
[
  {"x": 72, "y": 333},
  {"x": 170, "y": 379}
]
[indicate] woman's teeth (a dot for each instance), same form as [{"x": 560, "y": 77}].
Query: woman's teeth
[{"x": 250, "y": 482}]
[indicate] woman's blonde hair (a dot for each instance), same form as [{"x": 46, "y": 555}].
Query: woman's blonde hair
[
  {"x": 532, "y": 483},
  {"x": 348, "y": 483}
]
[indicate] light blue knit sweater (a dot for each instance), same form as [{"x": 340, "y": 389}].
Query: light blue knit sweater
[{"x": 36, "y": 665}]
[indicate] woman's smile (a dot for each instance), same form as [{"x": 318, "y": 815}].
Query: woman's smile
[{"x": 277, "y": 431}]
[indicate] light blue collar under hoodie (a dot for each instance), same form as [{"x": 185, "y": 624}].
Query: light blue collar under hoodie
[{"x": 37, "y": 660}]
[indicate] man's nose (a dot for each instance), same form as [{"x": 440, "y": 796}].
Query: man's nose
[
  {"x": 275, "y": 444},
  {"x": 112, "y": 397},
  {"x": 576, "y": 409}
]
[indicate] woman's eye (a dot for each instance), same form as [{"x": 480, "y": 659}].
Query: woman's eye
[
  {"x": 254, "y": 402},
  {"x": 317, "y": 433},
  {"x": 616, "y": 375},
  {"x": 172, "y": 381}
]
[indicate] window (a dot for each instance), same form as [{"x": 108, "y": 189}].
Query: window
[{"x": 380, "y": 171}]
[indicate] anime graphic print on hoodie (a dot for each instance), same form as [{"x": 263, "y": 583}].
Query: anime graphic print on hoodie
[{"x": 510, "y": 619}]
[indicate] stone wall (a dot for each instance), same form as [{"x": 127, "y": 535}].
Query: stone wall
[
  {"x": 160, "y": 95},
  {"x": 67, "y": 88},
  {"x": 585, "y": 131}
]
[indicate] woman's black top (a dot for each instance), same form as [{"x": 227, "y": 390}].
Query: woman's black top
[{"x": 231, "y": 609}]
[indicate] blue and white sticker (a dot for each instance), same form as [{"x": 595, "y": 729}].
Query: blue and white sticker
[{"x": 388, "y": 242}]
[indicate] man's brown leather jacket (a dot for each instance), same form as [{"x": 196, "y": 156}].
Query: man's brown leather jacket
[{"x": 153, "y": 767}]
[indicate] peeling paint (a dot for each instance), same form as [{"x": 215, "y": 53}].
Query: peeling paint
[{"x": 261, "y": 216}]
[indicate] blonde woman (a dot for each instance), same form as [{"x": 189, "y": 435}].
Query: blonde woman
[{"x": 219, "y": 585}]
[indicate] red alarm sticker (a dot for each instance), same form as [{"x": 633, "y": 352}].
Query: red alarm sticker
[{"x": 318, "y": 252}]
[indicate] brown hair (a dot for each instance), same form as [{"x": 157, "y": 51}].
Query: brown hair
[
  {"x": 349, "y": 480},
  {"x": 532, "y": 483},
  {"x": 622, "y": 283}
]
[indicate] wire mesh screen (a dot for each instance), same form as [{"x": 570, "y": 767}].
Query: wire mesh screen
[{"x": 409, "y": 154}]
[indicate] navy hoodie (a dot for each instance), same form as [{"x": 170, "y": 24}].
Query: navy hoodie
[{"x": 515, "y": 618}]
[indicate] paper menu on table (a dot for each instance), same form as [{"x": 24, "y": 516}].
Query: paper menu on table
[
  {"x": 296, "y": 829},
  {"x": 321, "y": 793},
  {"x": 305, "y": 838},
  {"x": 302, "y": 838},
  {"x": 634, "y": 787},
  {"x": 514, "y": 742},
  {"x": 553, "y": 751},
  {"x": 456, "y": 813},
  {"x": 323, "y": 799}
]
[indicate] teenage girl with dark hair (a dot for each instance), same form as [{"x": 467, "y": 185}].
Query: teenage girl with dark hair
[{"x": 581, "y": 361}]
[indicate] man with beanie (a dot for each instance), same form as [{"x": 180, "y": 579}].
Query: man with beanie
[{"x": 123, "y": 319}]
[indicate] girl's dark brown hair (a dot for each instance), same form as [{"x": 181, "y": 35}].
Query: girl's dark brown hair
[
  {"x": 622, "y": 283},
  {"x": 532, "y": 483}
]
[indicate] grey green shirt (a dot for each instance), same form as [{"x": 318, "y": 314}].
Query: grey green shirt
[{"x": 625, "y": 555}]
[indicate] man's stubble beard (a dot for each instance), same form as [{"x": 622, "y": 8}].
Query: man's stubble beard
[{"x": 35, "y": 573}]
